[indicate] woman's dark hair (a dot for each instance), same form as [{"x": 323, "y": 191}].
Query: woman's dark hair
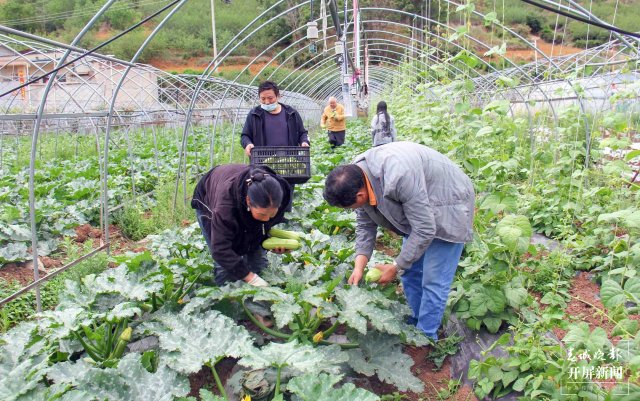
[
  {"x": 264, "y": 189},
  {"x": 342, "y": 185},
  {"x": 382, "y": 109},
  {"x": 268, "y": 85}
]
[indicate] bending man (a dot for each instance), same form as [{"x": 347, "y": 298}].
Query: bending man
[{"x": 422, "y": 195}]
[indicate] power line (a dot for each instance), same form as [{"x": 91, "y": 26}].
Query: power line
[
  {"x": 131, "y": 28},
  {"x": 585, "y": 20}
]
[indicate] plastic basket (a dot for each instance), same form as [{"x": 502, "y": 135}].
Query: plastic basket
[{"x": 291, "y": 162}]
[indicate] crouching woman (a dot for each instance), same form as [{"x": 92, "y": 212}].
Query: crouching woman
[{"x": 236, "y": 205}]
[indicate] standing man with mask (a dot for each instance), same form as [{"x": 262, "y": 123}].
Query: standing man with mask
[
  {"x": 420, "y": 194},
  {"x": 333, "y": 120},
  {"x": 273, "y": 124}
]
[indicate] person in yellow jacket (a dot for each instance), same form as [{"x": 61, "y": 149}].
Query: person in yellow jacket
[{"x": 333, "y": 121}]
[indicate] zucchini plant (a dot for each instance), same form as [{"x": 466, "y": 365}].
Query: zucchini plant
[{"x": 105, "y": 343}]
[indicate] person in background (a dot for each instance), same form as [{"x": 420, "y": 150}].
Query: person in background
[
  {"x": 333, "y": 120},
  {"x": 383, "y": 129},
  {"x": 420, "y": 194},
  {"x": 273, "y": 124},
  {"x": 236, "y": 205}
]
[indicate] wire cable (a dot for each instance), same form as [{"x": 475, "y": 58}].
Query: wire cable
[
  {"x": 131, "y": 28},
  {"x": 582, "y": 19}
]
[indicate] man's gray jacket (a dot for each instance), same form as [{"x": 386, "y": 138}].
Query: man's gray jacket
[{"x": 420, "y": 194}]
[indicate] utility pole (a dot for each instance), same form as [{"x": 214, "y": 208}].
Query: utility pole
[{"x": 213, "y": 30}]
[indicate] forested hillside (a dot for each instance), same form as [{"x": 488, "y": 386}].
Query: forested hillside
[{"x": 189, "y": 35}]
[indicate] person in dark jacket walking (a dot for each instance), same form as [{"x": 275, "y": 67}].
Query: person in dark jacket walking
[
  {"x": 236, "y": 206},
  {"x": 273, "y": 124}
]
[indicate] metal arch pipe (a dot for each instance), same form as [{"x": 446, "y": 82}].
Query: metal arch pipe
[
  {"x": 212, "y": 66},
  {"x": 520, "y": 94},
  {"x": 373, "y": 88},
  {"x": 515, "y": 66},
  {"x": 323, "y": 76},
  {"x": 320, "y": 82},
  {"x": 397, "y": 63},
  {"x": 227, "y": 50},
  {"x": 544, "y": 56},
  {"x": 34, "y": 143},
  {"x": 376, "y": 87},
  {"x": 312, "y": 71},
  {"x": 368, "y": 41},
  {"x": 390, "y": 51},
  {"x": 386, "y": 32},
  {"x": 306, "y": 85},
  {"x": 37, "y": 48},
  {"x": 455, "y": 69},
  {"x": 296, "y": 7},
  {"x": 114, "y": 96},
  {"x": 395, "y": 43},
  {"x": 376, "y": 57},
  {"x": 249, "y": 35},
  {"x": 471, "y": 38},
  {"x": 54, "y": 43},
  {"x": 487, "y": 65},
  {"x": 578, "y": 9},
  {"x": 580, "y": 102},
  {"x": 403, "y": 36},
  {"x": 39, "y": 51}
]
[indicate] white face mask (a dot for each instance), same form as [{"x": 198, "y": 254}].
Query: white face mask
[{"x": 269, "y": 107}]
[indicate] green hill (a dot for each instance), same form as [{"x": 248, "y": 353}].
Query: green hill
[{"x": 188, "y": 35}]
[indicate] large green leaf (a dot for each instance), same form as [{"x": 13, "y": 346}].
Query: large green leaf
[
  {"x": 613, "y": 295},
  {"x": 286, "y": 272},
  {"x": 285, "y": 312},
  {"x": 76, "y": 295},
  {"x": 629, "y": 218},
  {"x": 359, "y": 306},
  {"x": 299, "y": 358},
  {"x": 18, "y": 343},
  {"x": 131, "y": 285},
  {"x": 313, "y": 295},
  {"x": 625, "y": 327},
  {"x": 487, "y": 299},
  {"x": 22, "y": 361},
  {"x": 55, "y": 392},
  {"x": 206, "y": 395},
  {"x": 190, "y": 341},
  {"x": 14, "y": 232},
  {"x": 13, "y": 252},
  {"x": 129, "y": 381},
  {"x": 580, "y": 336},
  {"x": 493, "y": 323},
  {"x": 382, "y": 355},
  {"x": 164, "y": 384},
  {"x": 498, "y": 106},
  {"x": 499, "y": 202},
  {"x": 235, "y": 290},
  {"x": 61, "y": 322},
  {"x": 321, "y": 388},
  {"x": 22, "y": 377},
  {"x": 515, "y": 294},
  {"x": 515, "y": 231}
]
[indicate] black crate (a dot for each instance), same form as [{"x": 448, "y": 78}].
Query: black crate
[{"x": 291, "y": 162}]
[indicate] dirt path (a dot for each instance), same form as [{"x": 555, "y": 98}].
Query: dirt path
[
  {"x": 200, "y": 63},
  {"x": 549, "y": 49}
]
